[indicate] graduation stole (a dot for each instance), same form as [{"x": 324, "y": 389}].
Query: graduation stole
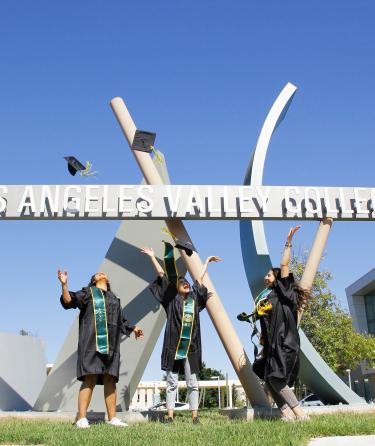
[
  {"x": 100, "y": 318},
  {"x": 262, "y": 304},
  {"x": 187, "y": 322},
  {"x": 186, "y": 328},
  {"x": 170, "y": 266}
]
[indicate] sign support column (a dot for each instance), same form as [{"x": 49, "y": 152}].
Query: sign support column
[
  {"x": 215, "y": 308},
  {"x": 315, "y": 256}
]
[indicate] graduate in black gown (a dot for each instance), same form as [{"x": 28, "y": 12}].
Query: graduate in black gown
[
  {"x": 182, "y": 349},
  {"x": 101, "y": 324},
  {"x": 278, "y": 307}
]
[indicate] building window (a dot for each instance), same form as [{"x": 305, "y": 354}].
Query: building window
[{"x": 370, "y": 312}]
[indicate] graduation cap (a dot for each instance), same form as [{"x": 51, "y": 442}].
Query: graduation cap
[
  {"x": 74, "y": 165},
  {"x": 244, "y": 317},
  {"x": 185, "y": 246},
  {"x": 143, "y": 141}
]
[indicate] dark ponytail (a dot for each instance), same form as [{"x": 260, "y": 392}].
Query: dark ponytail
[{"x": 302, "y": 294}]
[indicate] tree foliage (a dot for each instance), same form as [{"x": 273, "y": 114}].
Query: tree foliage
[{"x": 329, "y": 326}]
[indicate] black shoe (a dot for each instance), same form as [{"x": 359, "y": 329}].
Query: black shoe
[
  {"x": 196, "y": 420},
  {"x": 168, "y": 420}
]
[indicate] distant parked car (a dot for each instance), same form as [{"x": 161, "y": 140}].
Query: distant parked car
[
  {"x": 163, "y": 406},
  {"x": 311, "y": 400}
]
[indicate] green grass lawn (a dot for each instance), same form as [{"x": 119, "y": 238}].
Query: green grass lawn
[{"x": 214, "y": 430}]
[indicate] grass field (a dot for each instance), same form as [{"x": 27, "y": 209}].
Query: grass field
[{"x": 214, "y": 430}]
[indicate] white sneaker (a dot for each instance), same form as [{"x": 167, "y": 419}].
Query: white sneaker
[
  {"x": 117, "y": 422},
  {"x": 83, "y": 423}
]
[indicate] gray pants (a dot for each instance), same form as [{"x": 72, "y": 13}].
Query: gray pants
[
  {"x": 282, "y": 394},
  {"x": 191, "y": 383}
]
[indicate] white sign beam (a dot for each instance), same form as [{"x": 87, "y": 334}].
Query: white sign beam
[{"x": 189, "y": 202}]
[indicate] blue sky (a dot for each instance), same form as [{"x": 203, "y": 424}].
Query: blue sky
[{"x": 203, "y": 76}]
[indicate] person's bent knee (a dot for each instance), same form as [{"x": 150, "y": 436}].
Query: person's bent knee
[{"x": 171, "y": 387}]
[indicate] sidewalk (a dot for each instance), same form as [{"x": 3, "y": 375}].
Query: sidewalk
[{"x": 359, "y": 440}]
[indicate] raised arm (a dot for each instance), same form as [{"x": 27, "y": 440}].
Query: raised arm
[
  {"x": 204, "y": 268},
  {"x": 150, "y": 252},
  {"x": 284, "y": 265},
  {"x": 63, "y": 278}
]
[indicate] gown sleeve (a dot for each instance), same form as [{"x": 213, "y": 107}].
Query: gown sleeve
[
  {"x": 126, "y": 328},
  {"x": 78, "y": 299},
  {"x": 284, "y": 288},
  {"x": 201, "y": 294},
  {"x": 163, "y": 290}
]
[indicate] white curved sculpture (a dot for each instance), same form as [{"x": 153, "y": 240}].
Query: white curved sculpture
[{"x": 314, "y": 372}]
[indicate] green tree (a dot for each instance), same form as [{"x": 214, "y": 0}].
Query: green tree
[{"x": 329, "y": 326}]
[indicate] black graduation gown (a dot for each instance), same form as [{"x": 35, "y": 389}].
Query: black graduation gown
[
  {"x": 89, "y": 361},
  {"x": 280, "y": 333},
  {"x": 166, "y": 293}
]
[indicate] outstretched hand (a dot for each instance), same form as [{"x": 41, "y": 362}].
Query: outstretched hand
[
  {"x": 138, "y": 332},
  {"x": 292, "y": 231},
  {"x": 63, "y": 277},
  {"x": 213, "y": 259},
  {"x": 148, "y": 251}
]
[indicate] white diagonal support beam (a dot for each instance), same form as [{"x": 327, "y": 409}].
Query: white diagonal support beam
[{"x": 215, "y": 308}]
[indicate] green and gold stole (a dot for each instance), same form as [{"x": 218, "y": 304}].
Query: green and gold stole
[
  {"x": 186, "y": 328},
  {"x": 171, "y": 271},
  {"x": 170, "y": 266},
  {"x": 262, "y": 305},
  {"x": 100, "y": 318}
]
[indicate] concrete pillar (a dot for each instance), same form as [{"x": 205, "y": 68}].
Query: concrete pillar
[
  {"x": 150, "y": 397},
  {"x": 142, "y": 397},
  {"x": 230, "y": 388},
  {"x": 215, "y": 308}
]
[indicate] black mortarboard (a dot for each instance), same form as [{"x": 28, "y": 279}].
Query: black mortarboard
[
  {"x": 184, "y": 245},
  {"x": 143, "y": 141},
  {"x": 244, "y": 317},
  {"x": 74, "y": 165}
]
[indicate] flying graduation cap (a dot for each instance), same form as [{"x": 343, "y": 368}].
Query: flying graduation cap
[
  {"x": 185, "y": 245},
  {"x": 143, "y": 141},
  {"x": 75, "y": 166}
]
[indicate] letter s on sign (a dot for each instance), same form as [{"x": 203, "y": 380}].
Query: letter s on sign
[{"x": 3, "y": 202}]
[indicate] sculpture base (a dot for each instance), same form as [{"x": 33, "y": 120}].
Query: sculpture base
[{"x": 250, "y": 414}]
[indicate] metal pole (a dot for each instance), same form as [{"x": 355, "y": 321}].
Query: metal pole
[
  {"x": 218, "y": 386},
  {"x": 315, "y": 256},
  {"x": 349, "y": 378},
  {"x": 215, "y": 308},
  {"x": 227, "y": 388}
]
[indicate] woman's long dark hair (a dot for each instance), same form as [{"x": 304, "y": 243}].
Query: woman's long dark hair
[
  {"x": 92, "y": 282},
  {"x": 302, "y": 294}
]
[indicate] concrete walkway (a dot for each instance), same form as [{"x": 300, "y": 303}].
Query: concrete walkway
[{"x": 359, "y": 440}]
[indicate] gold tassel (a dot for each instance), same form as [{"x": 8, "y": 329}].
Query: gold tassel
[
  {"x": 167, "y": 231},
  {"x": 157, "y": 155}
]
